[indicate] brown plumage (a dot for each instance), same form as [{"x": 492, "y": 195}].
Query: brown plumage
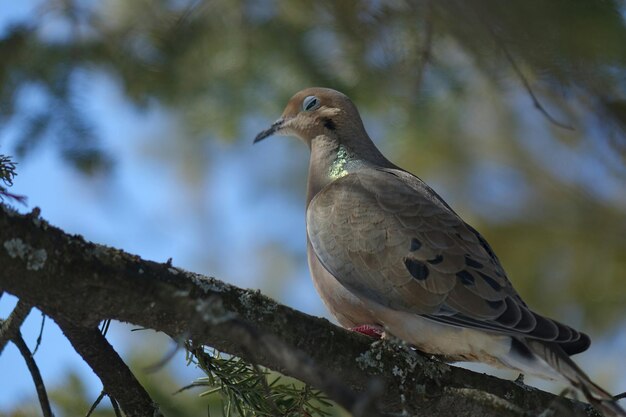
[{"x": 385, "y": 250}]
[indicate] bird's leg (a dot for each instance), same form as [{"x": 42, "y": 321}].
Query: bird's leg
[{"x": 369, "y": 330}]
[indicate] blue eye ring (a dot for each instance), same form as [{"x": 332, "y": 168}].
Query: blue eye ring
[{"x": 310, "y": 103}]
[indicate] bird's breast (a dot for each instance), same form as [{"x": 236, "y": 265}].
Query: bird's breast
[{"x": 348, "y": 309}]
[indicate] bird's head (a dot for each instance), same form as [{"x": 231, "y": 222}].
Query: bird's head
[{"x": 317, "y": 112}]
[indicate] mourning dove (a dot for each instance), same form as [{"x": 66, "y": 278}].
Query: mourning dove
[{"x": 387, "y": 252}]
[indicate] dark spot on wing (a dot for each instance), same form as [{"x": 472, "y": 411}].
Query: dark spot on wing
[
  {"x": 416, "y": 268},
  {"x": 492, "y": 282},
  {"x": 436, "y": 260},
  {"x": 415, "y": 245},
  {"x": 465, "y": 277},
  {"x": 472, "y": 263},
  {"x": 329, "y": 124}
]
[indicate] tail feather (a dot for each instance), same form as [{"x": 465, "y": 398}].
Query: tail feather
[{"x": 556, "y": 357}]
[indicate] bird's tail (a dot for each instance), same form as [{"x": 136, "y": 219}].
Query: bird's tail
[{"x": 560, "y": 361}]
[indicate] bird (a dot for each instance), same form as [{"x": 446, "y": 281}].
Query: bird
[{"x": 388, "y": 256}]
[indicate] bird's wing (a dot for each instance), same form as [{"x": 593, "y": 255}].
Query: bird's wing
[{"x": 387, "y": 237}]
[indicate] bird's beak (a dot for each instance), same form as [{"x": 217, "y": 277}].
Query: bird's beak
[{"x": 274, "y": 128}]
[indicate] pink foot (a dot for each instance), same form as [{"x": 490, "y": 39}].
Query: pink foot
[{"x": 369, "y": 330}]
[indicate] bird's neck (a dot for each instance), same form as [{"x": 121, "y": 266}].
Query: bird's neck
[{"x": 331, "y": 160}]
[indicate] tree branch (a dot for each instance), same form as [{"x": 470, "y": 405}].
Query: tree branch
[
  {"x": 425, "y": 53},
  {"x": 10, "y": 330},
  {"x": 82, "y": 283},
  {"x": 118, "y": 380},
  {"x": 40, "y": 335},
  {"x": 34, "y": 372},
  {"x": 10, "y": 327},
  {"x": 525, "y": 83},
  {"x": 96, "y": 403}
]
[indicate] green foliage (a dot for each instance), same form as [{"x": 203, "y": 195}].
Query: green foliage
[
  {"x": 247, "y": 390},
  {"x": 7, "y": 170},
  {"x": 7, "y": 173},
  {"x": 215, "y": 62}
]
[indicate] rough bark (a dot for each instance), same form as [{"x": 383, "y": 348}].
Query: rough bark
[
  {"x": 81, "y": 283},
  {"x": 117, "y": 379}
]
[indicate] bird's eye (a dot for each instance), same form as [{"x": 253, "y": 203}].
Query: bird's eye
[{"x": 310, "y": 103}]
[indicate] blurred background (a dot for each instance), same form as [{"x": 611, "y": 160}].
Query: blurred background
[{"x": 132, "y": 125}]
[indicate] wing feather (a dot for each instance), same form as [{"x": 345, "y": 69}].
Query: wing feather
[{"x": 387, "y": 237}]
